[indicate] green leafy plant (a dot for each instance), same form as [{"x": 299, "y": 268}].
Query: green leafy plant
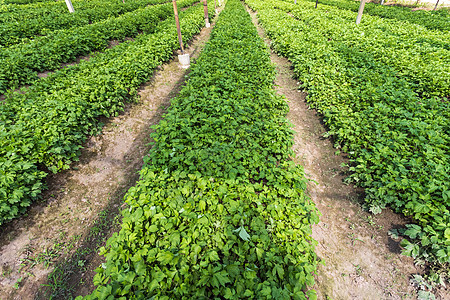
[
  {"x": 20, "y": 63},
  {"x": 434, "y": 20},
  {"x": 21, "y": 25},
  {"x": 43, "y": 127},
  {"x": 397, "y": 137},
  {"x": 219, "y": 211},
  {"x": 418, "y": 54}
]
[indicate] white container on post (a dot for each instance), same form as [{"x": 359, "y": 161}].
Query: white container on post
[{"x": 185, "y": 60}]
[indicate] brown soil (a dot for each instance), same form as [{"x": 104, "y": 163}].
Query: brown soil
[
  {"x": 360, "y": 260},
  {"x": 57, "y": 228}
]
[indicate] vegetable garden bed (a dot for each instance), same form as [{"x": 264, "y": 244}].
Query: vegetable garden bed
[
  {"x": 219, "y": 211},
  {"x": 42, "y": 129},
  {"x": 398, "y": 142}
]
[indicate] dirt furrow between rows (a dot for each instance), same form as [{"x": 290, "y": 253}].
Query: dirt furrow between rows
[
  {"x": 360, "y": 260},
  {"x": 77, "y": 200}
]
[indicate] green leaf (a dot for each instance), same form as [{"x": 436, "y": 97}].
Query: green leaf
[
  {"x": 278, "y": 270},
  {"x": 447, "y": 234},
  {"x": 140, "y": 268},
  {"x": 220, "y": 279},
  {"x": 213, "y": 256},
  {"x": 259, "y": 252},
  {"x": 165, "y": 257},
  {"x": 153, "y": 228},
  {"x": 202, "y": 205},
  {"x": 228, "y": 294},
  {"x": 243, "y": 233}
]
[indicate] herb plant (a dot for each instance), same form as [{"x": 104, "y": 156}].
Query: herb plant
[
  {"x": 219, "y": 211},
  {"x": 397, "y": 139},
  {"x": 42, "y": 128}
]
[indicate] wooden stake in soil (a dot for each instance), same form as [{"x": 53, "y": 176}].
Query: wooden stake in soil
[
  {"x": 184, "y": 58},
  {"x": 70, "y": 6},
  {"x": 205, "y": 8},
  {"x": 360, "y": 11},
  {"x": 177, "y": 22},
  {"x": 317, "y": 2},
  {"x": 437, "y": 3}
]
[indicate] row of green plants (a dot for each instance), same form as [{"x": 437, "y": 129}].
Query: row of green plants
[
  {"x": 413, "y": 52},
  {"x": 398, "y": 142},
  {"x": 433, "y": 20},
  {"x": 21, "y": 63},
  {"x": 25, "y": 29},
  {"x": 399, "y": 29},
  {"x": 42, "y": 128},
  {"x": 13, "y": 12},
  {"x": 25, "y": 1},
  {"x": 220, "y": 211}
]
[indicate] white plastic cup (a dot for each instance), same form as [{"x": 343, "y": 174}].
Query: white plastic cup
[{"x": 185, "y": 60}]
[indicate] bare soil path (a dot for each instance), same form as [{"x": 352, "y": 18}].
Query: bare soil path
[
  {"x": 81, "y": 207},
  {"x": 360, "y": 260}
]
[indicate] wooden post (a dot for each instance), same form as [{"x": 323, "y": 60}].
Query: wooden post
[
  {"x": 436, "y": 5},
  {"x": 317, "y": 2},
  {"x": 70, "y": 6},
  {"x": 205, "y": 8},
  {"x": 177, "y": 22},
  {"x": 360, "y": 11}
]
